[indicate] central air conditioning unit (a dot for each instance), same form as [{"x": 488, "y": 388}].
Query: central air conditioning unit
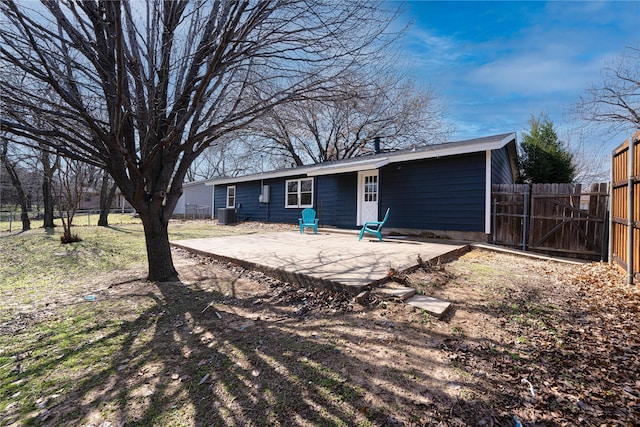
[{"x": 226, "y": 216}]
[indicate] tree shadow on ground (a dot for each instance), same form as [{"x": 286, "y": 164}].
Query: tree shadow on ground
[{"x": 200, "y": 355}]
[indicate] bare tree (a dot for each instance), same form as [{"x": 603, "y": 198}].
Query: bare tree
[
  {"x": 617, "y": 100},
  {"x": 591, "y": 161},
  {"x": 228, "y": 157},
  {"x": 50, "y": 163},
  {"x": 316, "y": 131},
  {"x": 107, "y": 193},
  {"x": 34, "y": 168},
  {"x": 69, "y": 187},
  {"x": 143, "y": 88},
  {"x": 11, "y": 167}
]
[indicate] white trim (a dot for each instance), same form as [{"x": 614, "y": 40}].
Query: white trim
[
  {"x": 360, "y": 193},
  {"x": 235, "y": 196},
  {"x": 360, "y": 166},
  {"x": 299, "y": 193},
  {"x": 299, "y": 171},
  {"x": 452, "y": 149},
  {"x": 487, "y": 192}
]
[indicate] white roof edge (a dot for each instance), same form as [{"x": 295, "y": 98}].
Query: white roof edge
[
  {"x": 256, "y": 177},
  {"x": 349, "y": 167},
  {"x": 440, "y": 150},
  {"x": 445, "y": 150}
]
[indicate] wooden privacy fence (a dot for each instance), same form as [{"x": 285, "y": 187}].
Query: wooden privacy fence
[
  {"x": 559, "y": 219},
  {"x": 625, "y": 207}
]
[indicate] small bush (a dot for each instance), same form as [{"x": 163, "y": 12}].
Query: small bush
[{"x": 71, "y": 238}]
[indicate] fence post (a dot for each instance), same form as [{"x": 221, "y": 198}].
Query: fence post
[
  {"x": 630, "y": 211},
  {"x": 525, "y": 216},
  {"x": 610, "y": 189},
  {"x": 495, "y": 223}
]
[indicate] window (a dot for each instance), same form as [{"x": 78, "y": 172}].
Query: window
[
  {"x": 231, "y": 196},
  {"x": 371, "y": 188},
  {"x": 299, "y": 193}
]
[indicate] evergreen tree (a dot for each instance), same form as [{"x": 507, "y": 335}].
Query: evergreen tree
[{"x": 543, "y": 158}]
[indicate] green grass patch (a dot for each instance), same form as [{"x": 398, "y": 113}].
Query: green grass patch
[
  {"x": 138, "y": 351},
  {"x": 53, "y": 341},
  {"x": 457, "y": 331},
  {"x": 425, "y": 317},
  {"x": 36, "y": 266}
]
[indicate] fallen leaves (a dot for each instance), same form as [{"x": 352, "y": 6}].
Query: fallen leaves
[{"x": 576, "y": 355}]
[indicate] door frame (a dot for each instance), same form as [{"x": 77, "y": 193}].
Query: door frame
[{"x": 360, "y": 194}]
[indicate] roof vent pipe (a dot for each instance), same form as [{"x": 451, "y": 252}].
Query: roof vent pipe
[{"x": 376, "y": 144}]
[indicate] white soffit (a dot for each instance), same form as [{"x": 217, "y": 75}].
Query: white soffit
[{"x": 361, "y": 165}]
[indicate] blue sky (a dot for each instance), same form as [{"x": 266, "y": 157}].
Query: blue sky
[{"x": 496, "y": 63}]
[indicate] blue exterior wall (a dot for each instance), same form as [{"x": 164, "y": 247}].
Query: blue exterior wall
[
  {"x": 334, "y": 200},
  {"x": 445, "y": 193},
  {"x": 246, "y": 198},
  {"x": 501, "y": 172}
]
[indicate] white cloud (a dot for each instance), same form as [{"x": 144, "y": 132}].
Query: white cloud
[
  {"x": 536, "y": 74},
  {"x": 535, "y": 60}
]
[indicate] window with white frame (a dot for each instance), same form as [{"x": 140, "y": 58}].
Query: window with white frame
[
  {"x": 231, "y": 196},
  {"x": 299, "y": 193}
]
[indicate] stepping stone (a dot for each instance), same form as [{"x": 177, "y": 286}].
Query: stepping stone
[
  {"x": 433, "y": 306},
  {"x": 399, "y": 292}
]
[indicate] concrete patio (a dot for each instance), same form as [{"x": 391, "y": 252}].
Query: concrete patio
[{"x": 331, "y": 259}]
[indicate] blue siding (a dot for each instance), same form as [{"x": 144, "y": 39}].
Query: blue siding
[
  {"x": 445, "y": 193},
  {"x": 249, "y": 207},
  {"x": 219, "y": 198},
  {"x": 277, "y": 211},
  {"x": 336, "y": 199},
  {"x": 246, "y": 200},
  {"x": 435, "y": 194},
  {"x": 501, "y": 172}
]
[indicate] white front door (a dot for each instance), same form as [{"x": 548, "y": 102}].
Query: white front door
[{"x": 367, "y": 196}]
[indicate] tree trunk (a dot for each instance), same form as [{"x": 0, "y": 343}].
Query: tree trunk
[
  {"x": 15, "y": 180},
  {"x": 106, "y": 199},
  {"x": 47, "y": 200},
  {"x": 47, "y": 190},
  {"x": 24, "y": 217},
  {"x": 156, "y": 234}
]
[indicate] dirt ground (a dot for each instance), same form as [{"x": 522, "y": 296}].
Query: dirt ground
[
  {"x": 526, "y": 342},
  {"x": 538, "y": 342}
]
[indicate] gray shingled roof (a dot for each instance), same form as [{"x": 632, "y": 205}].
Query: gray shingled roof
[{"x": 374, "y": 161}]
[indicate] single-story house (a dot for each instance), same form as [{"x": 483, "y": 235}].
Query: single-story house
[
  {"x": 195, "y": 202},
  {"x": 90, "y": 200},
  {"x": 439, "y": 190}
]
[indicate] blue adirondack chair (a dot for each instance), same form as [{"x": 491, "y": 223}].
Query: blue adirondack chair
[
  {"x": 308, "y": 220},
  {"x": 374, "y": 227}
]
